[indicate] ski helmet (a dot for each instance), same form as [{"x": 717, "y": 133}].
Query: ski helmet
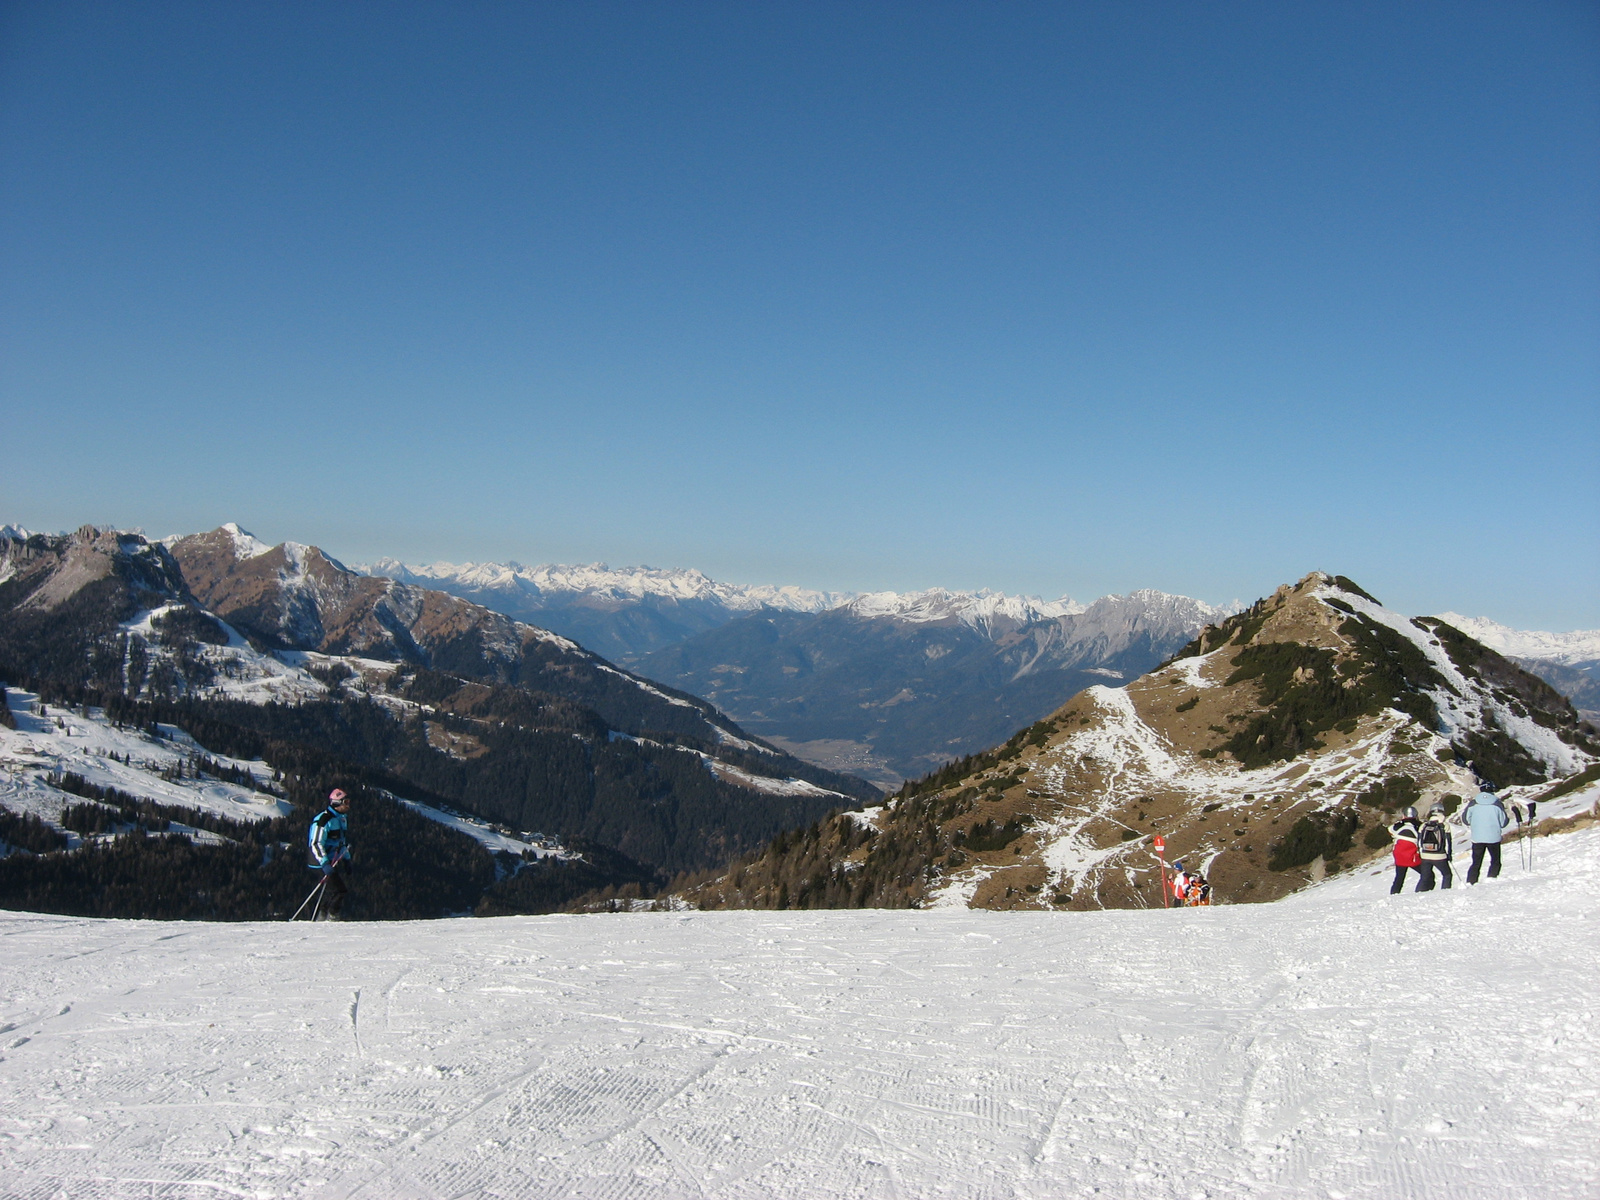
[
  {"x": 1410, "y": 812},
  {"x": 1178, "y": 866},
  {"x": 337, "y": 796},
  {"x": 1437, "y": 810}
]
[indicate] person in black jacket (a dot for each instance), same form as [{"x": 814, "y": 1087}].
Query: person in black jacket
[{"x": 1434, "y": 846}]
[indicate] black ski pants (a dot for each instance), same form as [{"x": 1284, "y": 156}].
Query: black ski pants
[
  {"x": 1479, "y": 849},
  {"x": 1426, "y": 870},
  {"x": 1400, "y": 878},
  {"x": 334, "y": 892}
]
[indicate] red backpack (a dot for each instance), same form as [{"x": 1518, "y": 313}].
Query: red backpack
[{"x": 1405, "y": 843}]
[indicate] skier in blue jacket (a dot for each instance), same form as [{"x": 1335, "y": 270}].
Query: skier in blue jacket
[
  {"x": 329, "y": 839},
  {"x": 1486, "y": 818}
]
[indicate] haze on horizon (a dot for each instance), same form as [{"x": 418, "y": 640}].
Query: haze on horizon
[{"x": 1051, "y": 299}]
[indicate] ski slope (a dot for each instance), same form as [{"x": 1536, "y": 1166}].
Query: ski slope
[{"x": 1342, "y": 1043}]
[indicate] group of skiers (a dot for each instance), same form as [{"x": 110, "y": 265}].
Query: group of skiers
[
  {"x": 1189, "y": 888},
  {"x": 1427, "y": 846},
  {"x": 1424, "y": 846}
]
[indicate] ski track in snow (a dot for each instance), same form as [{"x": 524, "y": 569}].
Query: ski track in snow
[{"x": 1341, "y": 1043}]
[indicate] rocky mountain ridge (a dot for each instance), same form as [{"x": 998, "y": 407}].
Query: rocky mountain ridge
[
  {"x": 1570, "y": 662},
  {"x": 1272, "y": 749}
]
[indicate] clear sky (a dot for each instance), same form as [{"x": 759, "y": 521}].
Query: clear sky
[{"x": 1059, "y": 298}]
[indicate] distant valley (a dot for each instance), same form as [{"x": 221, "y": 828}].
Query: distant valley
[
  {"x": 888, "y": 685},
  {"x": 884, "y": 685}
]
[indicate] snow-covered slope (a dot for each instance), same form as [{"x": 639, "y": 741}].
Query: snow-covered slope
[
  {"x": 45, "y": 745},
  {"x": 49, "y": 743},
  {"x": 1344, "y": 1043},
  {"x": 1569, "y": 662}
]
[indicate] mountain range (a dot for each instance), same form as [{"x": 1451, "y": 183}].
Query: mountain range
[
  {"x": 622, "y": 614},
  {"x": 888, "y": 685},
  {"x": 883, "y": 685},
  {"x": 1272, "y": 749}
]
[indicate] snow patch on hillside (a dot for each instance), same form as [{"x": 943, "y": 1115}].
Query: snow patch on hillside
[
  {"x": 485, "y": 833},
  {"x": 43, "y": 747},
  {"x": 1471, "y": 705},
  {"x": 765, "y": 783}
]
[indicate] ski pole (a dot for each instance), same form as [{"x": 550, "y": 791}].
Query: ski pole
[{"x": 314, "y": 891}]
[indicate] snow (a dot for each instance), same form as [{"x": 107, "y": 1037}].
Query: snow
[
  {"x": 246, "y": 544},
  {"x": 737, "y": 776},
  {"x": 552, "y": 580},
  {"x": 1188, "y": 670},
  {"x": 980, "y": 609},
  {"x": 729, "y": 773},
  {"x": 1132, "y": 758},
  {"x": 1572, "y": 649},
  {"x": 484, "y": 833},
  {"x": 1341, "y": 1043},
  {"x": 244, "y": 673},
  {"x": 84, "y": 744}
]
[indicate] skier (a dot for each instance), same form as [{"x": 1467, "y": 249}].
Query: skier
[
  {"x": 1406, "y": 855},
  {"x": 1487, "y": 819},
  {"x": 1180, "y": 884},
  {"x": 330, "y": 850},
  {"x": 1434, "y": 847}
]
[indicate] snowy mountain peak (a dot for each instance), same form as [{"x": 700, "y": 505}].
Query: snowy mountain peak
[
  {"x": 979, "y": 609},
  {"x": 1577, "y": 647},
  {"x": 246, "y": 544}
]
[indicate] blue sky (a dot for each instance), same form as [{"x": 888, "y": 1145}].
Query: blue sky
[{"x": 1047, "y": 298}]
